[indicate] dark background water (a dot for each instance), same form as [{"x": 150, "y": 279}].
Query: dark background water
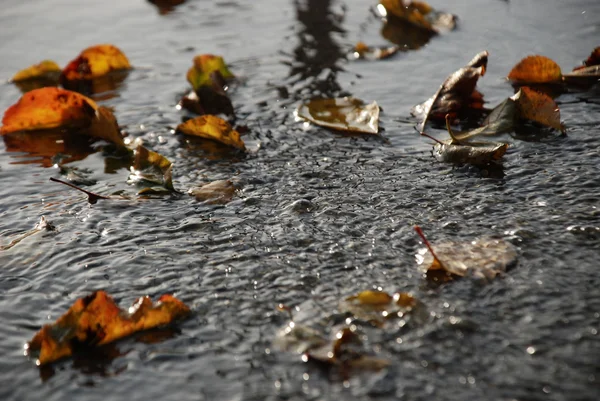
[{"x": 321, "y": 216}]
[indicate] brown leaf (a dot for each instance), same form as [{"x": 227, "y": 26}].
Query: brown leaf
[
  {"x": 216, "y": 192},
  {"x": 343, "y": 114},
  {"x": 377, "y": 306},
  {"x": 455, "y": 94},
  {"x": 419, "y": 14},
  {"x": 214, "y": 128},
  {"x": 535, "y": 70},
  {"x": 593, "y": 59},
  {"x": 96, "y": 320},
  {"x": 364, "y": 52},
  {"x": 539, "y": 107}
]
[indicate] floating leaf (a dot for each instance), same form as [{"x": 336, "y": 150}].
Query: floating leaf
[
  {"x": 42, "y": 225},
  {"x": 482, "y": 258},
  {"x": 94, "y": 62},
  {"x": 216, "y": 192},
  {"x": 592, "y": 60},
  {"x": 456, "y": 93},
  {"x": 49, "y": 108},
  {"x": 96, "y": 320},
  {"x": 214, "y": 128},
  {"x": 419, "y": 14},
  {"x": 204, "y": 65},
  {"x": 298, "y": 338},
  {"x": 152, "y": 167},
  {"x": 378, "y": 306},
  {"x": 535, "y": 70},
  {"x": 362, "y": 51},
  {"x": 166, "y": 6},
  {"x": 343, "y": 114},
  {"x": 46, "y": 73},
  {"x": 539, "y": 107},
  {"x": 190, "y": 101}
]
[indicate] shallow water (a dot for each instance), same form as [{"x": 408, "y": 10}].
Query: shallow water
[{"x": 321, "y": 216}]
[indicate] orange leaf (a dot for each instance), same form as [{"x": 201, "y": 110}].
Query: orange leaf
[
  {"x": 96, "y": 61},
  {"x": 48, "y": 108},
  {"x": 97, "y": 320},
  {"x": 538, "y": 107},
  {"x": 212, "y": 127},
  {"x": 593, "y": 59},
  {"x": 536, "y": 70}
]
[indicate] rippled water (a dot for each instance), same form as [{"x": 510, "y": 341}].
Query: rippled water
[{"x": 321, "y": 216}]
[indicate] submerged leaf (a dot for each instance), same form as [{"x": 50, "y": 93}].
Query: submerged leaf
[
  {"x": 42, "y": 225},
  {"x": 456, "y": 93},
  {"x": 362, "y": 51},
  {"x": 216, "y": 192},
  {"x": 343, "y": 114},
  {"x": 482, "y": 258},
  {"x": 419, "y": 14},
  {"x": 214, "y": 128},
  {"x": 539, "y": 107},
  {"x": 204, "y": 65},
  {"x": 96, "y": 320},
  {"x": 535, "y": 70},
  {"x": 95, "y": 62},
  {"x": 377, "y": 306}
]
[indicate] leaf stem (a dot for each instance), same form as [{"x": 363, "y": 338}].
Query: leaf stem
[
  {"x": 428, "y": 245},
  {"x": 92, "y": 197}
]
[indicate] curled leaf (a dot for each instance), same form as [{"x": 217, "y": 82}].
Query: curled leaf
[
  {"x": 343, "y": 114},
  {"x": 216, "y": 192},
  {"x": 96, "y": 320},
  {"x": 592, "y": 60},
  {"x": 42, "y": 225},
  {"x": 152, "y": 167},
  {"x": 214, "y": 128},
  {"x": 535, "y": 70},
  {"x": 539, "y": 107},
  {"x": 94, "y": 62},
  {"x": 364, "y": 52},
  {"x": 204, "y": 66},
  {"x": 456, "y": 93},
  {"x": 482, "y": 258}
]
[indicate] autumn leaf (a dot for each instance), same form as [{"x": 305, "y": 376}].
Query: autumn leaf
[
  {"x": 363, "y": 52},
  {"x": 94, "y": 62},
  {"x": 456, "y": 94},
  {"x": 214, "y": 128},
  {"x": 539, "y": 107},
  {"x": 97, "y": 320},
  {"x": 204, "y": 65},
  {"x": 151, "y": 167},
  {"x": 592, "y": 60},
  {"x": 419, "y": 14},
  {"x": 46, "y": 73},
  {"x": 377, "y": 306},
  {"x": 166, "y": 6},
  {"x": 216, "y": 192},
  {"x": 484, "y": 257},
  {"x": 48, "y": 108},
  {"x": 343, "y": 114},
  {"x": 535, "y": 70}
]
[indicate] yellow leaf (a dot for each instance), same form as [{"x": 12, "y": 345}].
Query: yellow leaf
[
  {"x": 212, "y": 127},
  {"x": 42, "y": 70},
  {"x": 204, "y": 65},
  {"x": 95, "y": 62}
]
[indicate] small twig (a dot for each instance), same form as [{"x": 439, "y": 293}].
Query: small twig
[
  {"x": 92, "y": 197},
  {"x": 428, "y": 245}
]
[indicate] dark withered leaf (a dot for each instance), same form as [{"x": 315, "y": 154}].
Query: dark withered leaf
[
  {"x": 418, "y": 14},
  {"x": 342, "y": 114},
  {"x": 456, "y": 94}
]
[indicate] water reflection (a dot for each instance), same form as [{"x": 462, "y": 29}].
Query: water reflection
[
  {"x": 316, "y": 57},
  {"x": 101, "y": 88}
]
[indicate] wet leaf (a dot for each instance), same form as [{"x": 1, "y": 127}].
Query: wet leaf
[
  {"x": 377, "y": 306},
  {"x": 48, "y": 108},
  {"x": 96, "y": 320},
  {"x": 46, "y": 73},
  {"x": 298, "y": 338},
  {"x": 343, "y": 114},
  {"x": 151, "y": 167},
  {"x": 539, "y": 107},
  {"x": 364, "y": 52},
  {"x": 535, "y": 70},
  {"x": 592, "y": 60},
  {"x": 481, "y": 258},
  {"x": 214, "y": 128},
  {"x": 216, "y": 192},
  {"x": 204, "y": 66},
  {"x": 42, "y": 225},
  {"x": 166, "y": 6},
  {"x": 419, "y": 14},
  {"x": 94, "y": 62},
  {"x": 456, "y": 94},
  {"x": 586, "y": 76},
  {"x": 190, "y": 101}
]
